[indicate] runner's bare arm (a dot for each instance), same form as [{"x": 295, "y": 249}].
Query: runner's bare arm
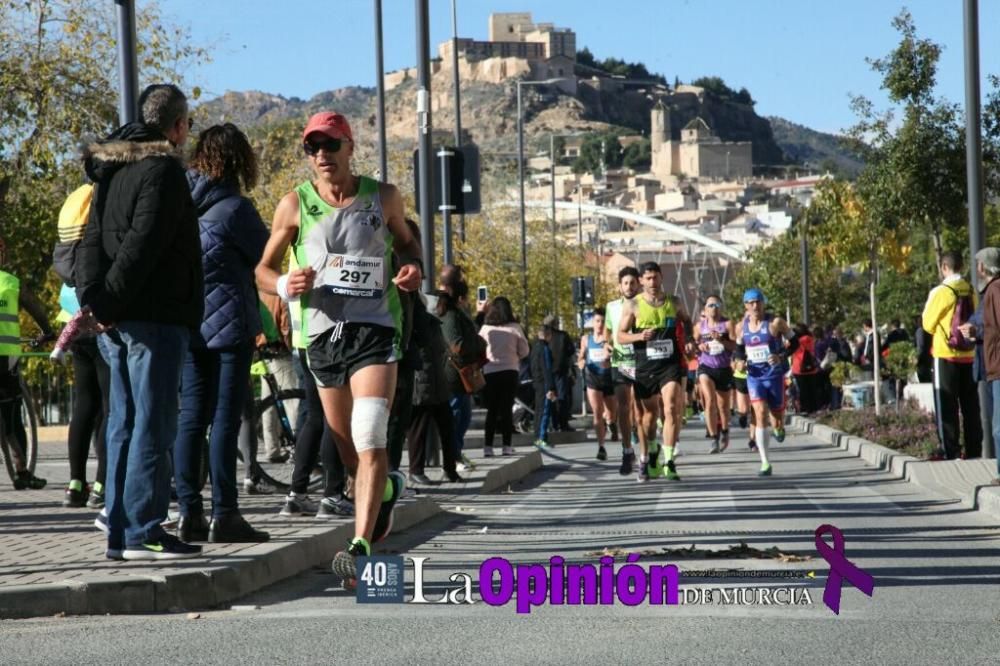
[
  {"x": 583, "y": 352},
  {"x": 625, "y": 334},
  {"x": 406, "y": 246},
  {"x": 729, "y": 342},
  {"x": 284, "y": 231}
]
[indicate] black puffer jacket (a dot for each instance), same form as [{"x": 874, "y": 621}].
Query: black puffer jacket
[{"x": 140, "y": 257}]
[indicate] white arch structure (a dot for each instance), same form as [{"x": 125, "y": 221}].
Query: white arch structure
[{"x": 675, "y": 229}]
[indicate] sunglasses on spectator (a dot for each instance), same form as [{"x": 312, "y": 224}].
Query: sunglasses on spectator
[
  {"x": 711, "y": 305},
  {"x": 329, "y": 145}
]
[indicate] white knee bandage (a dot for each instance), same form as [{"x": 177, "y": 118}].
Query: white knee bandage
[{"x": 370, "y": 423}]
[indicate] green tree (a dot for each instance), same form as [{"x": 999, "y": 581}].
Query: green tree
[
  {"x": 59, "y": 81},
  {"x": 638, "y": 155},
  {"x": 915, "y": 167},
  {"x": 598, "y": 148}
]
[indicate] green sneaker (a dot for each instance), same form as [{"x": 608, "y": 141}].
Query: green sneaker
[
  {"x": 671, "y": 472},
  {"x": 541, "y": 443},
  {"x": 779, "y": 435},
  {"x": 655, "y": 463},
  {"x": 764, "y": 471}
]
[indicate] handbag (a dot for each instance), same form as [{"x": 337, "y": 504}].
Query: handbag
[{"x": 473, "y": 379}]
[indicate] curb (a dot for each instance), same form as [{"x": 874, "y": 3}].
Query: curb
[
  {"x": 224, "y": 579},
  {"x": 965, "y": 480},
  {"x": 497, "y": 478}
]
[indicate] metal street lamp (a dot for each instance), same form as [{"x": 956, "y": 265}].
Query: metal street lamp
[{"x": 520, "y": 177}]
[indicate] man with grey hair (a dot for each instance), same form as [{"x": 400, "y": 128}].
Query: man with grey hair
[
  {"x": 138, "y": 269},
  {"x": 988, "y": 269}
]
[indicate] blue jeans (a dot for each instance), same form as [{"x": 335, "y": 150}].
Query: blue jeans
[
  {"x": 461, "y": 411},
  {"x": 994, "y": 394},
  {"x": 145, "y": 361},
  {"x": 214, "y": 388},
  {"x": 545, "y": 418}
]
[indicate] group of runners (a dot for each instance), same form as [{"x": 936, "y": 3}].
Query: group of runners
[
  {"x": 636, "y": 372},
  {"x": 343, "y": 230}
]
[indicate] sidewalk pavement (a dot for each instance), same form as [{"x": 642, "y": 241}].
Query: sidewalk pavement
[
  {"x": 52, "y": 558},
  {"x": 968, "y": 481}
]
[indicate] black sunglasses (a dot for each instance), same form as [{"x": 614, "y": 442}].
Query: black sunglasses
[{"x": 330, "y": 146}]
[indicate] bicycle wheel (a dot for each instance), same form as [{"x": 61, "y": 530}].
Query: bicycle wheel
[
  {"x": 6, "y": 455},
  {"x": 30, "y": 421}
]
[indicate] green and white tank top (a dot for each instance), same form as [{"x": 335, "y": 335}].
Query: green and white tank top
[
  {"x": 350, "y": 249},
  {"x": 622, "y": 356}
]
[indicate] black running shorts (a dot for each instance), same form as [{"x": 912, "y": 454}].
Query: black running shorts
[
  {"x": 651, "y": 377},
  {"x": 721, "y": 377},
  {"x": 599, "y": 381},
  {"x": 333, "y": 362},
  {"x": 740, "y": 384},
  {"x": 623, "y": 376}
]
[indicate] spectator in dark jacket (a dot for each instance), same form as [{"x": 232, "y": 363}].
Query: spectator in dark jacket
[
  {"x": 544, "y": 379},
  {"x": 564, "y": 350},
  {"x": 215, "y": 381},
  {"x": 139, "y": 268},
  {"x": 430, "y": 397},
  {"x": 988, "y": 264},
  {"x": 465, "y": 348}
]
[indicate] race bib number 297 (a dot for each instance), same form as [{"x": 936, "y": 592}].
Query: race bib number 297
[{"x": 359, "y": 277}]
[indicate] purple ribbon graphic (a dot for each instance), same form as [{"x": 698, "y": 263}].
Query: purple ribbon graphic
[{"x": 840, "y": 568}]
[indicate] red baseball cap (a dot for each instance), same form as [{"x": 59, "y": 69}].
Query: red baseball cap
[{"x": 331, "y": 124}]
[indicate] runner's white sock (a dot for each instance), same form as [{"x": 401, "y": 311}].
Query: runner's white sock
[{"x": 763, "y": 437}]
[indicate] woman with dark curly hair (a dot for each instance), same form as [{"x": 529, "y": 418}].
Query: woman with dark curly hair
[{"x": 215, "y": 379}]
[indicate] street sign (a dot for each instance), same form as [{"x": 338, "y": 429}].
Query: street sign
[
  {"x": 583, "y": 290},
  {"x": 462, "y": 166}
]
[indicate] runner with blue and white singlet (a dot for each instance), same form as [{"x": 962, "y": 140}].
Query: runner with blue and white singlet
[
  {"x": 343, "y": 230},
  {"x": 767, "y": 344}
]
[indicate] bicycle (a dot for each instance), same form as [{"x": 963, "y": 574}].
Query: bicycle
[
  {"x": 18, "y": 458},
  {"x": 276, "y": 474}
]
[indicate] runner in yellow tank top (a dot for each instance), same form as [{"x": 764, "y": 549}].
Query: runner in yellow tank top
[{"x": 650, "y": 322}]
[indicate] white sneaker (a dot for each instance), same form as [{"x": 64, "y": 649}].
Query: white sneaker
[
  {"x": 509, "y": 451},
  {"x": 298, "y": 506},
  {"x": 487, "y": 451}
]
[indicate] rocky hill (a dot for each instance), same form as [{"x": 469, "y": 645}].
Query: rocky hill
[
  {"x": 818, "y": 150},
  {"x": 489, "y": 116}
]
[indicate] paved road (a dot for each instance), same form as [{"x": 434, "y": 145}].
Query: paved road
[{"x": 937, "y": 596}]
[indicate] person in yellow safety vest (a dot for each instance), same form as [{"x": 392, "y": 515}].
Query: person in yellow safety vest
[{"x": 14, "y": 297}]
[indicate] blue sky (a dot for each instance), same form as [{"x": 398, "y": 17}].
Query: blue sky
[{"x": 799, "y": 58}]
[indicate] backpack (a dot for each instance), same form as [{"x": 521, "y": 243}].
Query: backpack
[
  {"x": 73, "y": 218},
  {"x": 964, "y": 309},
  {"x": 809, "y": 364}
]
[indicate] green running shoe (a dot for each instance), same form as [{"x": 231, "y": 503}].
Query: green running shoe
[
  {"x": 779, "y": 435},
  {"x": 655, "y": 463},
  {"x": 671, "y": 472},
  {"x": 764, "y": 471}
]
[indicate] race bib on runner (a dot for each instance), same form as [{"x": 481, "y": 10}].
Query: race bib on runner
[
  {"x": 659, "y": 349},
  {"x": 715, "y": 348},
  {"x": 358, "y": 277},
  {"x": 597, "y": 355},
  {"x": 758, "y": 353}
]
